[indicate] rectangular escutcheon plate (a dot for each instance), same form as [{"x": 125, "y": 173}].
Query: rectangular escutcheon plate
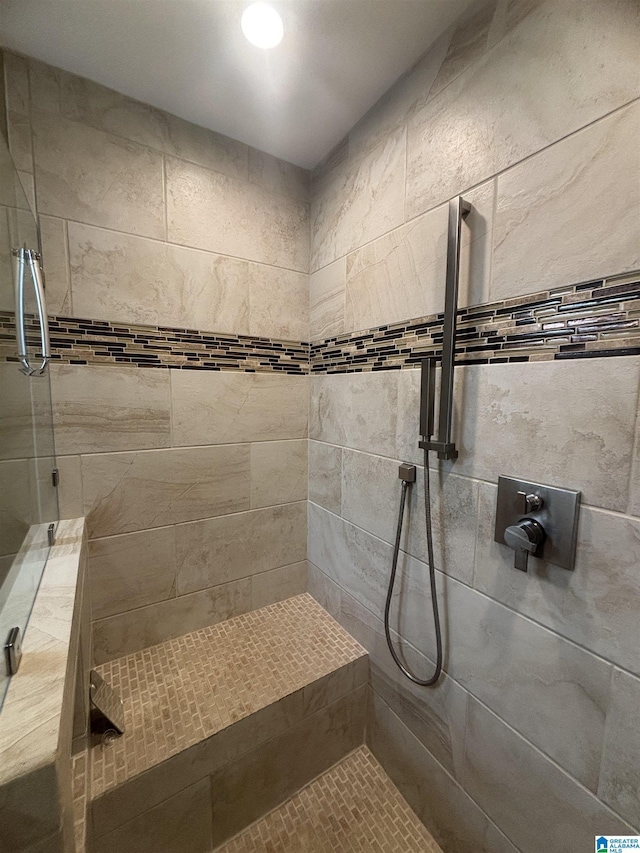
[{"x": 557, "y": 513}]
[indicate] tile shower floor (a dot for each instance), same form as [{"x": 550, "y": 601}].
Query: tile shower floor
[
  {"x": 352, "y": 808},
  {"x": 185, "y": 690}
]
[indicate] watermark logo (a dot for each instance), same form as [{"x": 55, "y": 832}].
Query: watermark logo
[{"x": 617, "y": 843}]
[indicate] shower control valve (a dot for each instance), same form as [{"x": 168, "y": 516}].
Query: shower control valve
[{"x": 524, "y": 537}]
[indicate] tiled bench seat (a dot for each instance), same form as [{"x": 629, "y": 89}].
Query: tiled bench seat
[{"x": 224, "y": 724}]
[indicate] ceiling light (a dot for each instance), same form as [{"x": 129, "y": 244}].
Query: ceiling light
[{"x": 262, "y": 25}]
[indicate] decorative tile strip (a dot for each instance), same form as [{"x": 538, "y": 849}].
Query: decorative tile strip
[
  {"x": 75, "y": 341},
  {"x": 592, "y": 319}
]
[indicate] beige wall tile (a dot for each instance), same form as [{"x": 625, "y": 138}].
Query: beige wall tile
[
  {"x": 374, "y": 188},
  {"x": 595, "y": 198},
  {"x": 402, "y": 275},
  {"x": 70, "y": 500},
  {"x": 257, "y": 224},
  {"x": 106, "y": 408},
  {"x": 19, "y": 130},
  {"x": 131, "y": 279},
  {"x": 55, "y": 257},
  {"x": 570, "y": 815},
  {"x": 634, "y": 480},
  {"x": 132, "y": 570},
  {"x": 181, "y": 824},
  {"x": 137, "y": 629},
  {"x": 251, "y": 786},
  {"x": 454, "y": 819},
  {"x": 16, "y": 76},
  {"x": 437, "y": 717},
  {"x": 220, "y": 407},
  {"x": 325, "y": 591},
  {"x": 371, "y": 496},
  {"x": 550, "y": 690},
  {"x": 325, "y": 475},
  {"x": 15, "y": 413},
  {"x": 278, "y": 584},
  {"x": 279, "y": 302},
  {"x": 278, "y": 175},
  {"x": 355, "y": 410},
  {"x": 327, "y": 300},
  {"x": 45, "y": 87},
  {"x": 134, "y": 491},
  {"x": 278, "y": 472},
  {"x": 397, "y": 276},
  {"x": 219, "y": 550},
  {"x": 95, "y": 105},
  {"x": 540, "y": 83},
  {"x": 621, "y": 752},
  {"x": 595, "y": 604},
  {"x": 94, "y": 177},
  {"x": 506, "y": 429}
]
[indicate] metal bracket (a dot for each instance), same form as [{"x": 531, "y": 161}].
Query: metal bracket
[
  {"x": 107, "y": 710},
  {"x": 51, "y": 534},
  {"x": 556, "y": 510},
  {"x": 55, "y": 478},
  {"x": 13, "y": 651}
]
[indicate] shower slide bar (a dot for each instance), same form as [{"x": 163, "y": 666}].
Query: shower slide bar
[
  {"x": 445, "y": 448},
  {"x": 31, "y": 258}
]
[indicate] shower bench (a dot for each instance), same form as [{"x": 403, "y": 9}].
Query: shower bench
[{"x": 223, "y": 725}]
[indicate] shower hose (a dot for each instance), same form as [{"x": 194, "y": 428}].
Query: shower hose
[{"x": 427, "y": 682}]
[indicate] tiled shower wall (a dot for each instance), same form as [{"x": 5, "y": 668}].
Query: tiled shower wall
[
  {"x": 530, "y": 110},
  {"x": 155, "y": 231}
]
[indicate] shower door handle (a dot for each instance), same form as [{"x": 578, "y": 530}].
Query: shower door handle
[{"x": 30, "y": 257}]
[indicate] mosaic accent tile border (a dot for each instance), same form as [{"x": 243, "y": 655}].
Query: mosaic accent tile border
[
  {"x": 592, "y": 319},
  {"x": 77, "y": 341},
  {"x": 353, "y": 807}
]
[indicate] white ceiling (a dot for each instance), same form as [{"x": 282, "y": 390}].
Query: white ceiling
[{"x": 189, "y": 57}]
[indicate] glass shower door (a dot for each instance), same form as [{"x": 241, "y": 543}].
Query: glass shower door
[{"x": 28, "y": 495}]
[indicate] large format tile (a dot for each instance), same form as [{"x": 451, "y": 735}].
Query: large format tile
[
  {"x": 181, "y": 824},
  {"x": 278, "y": 584},
  {"x": 278, "y": 175},
  {"x": 359, "y": 201},
  {"x": 326, "y": 300},
  {"x": 219, "y": 550},
  {"x": 85, "y": 101},
  {"x": 552, "y": 691},
  {"x": 325, "y": 475},
  {"x": 103, "y": 408},
  {"x": 120, "y": 277},
  {"x": 448, "y": 812},
  {"x": 437, "y": 717},
  {"x": 132, "y": 570},
  {"x": 540, "y": 83},
  {"x": 278, "y": 472},
  {"x": 222, "y": 407},
  {"x": 147, "y": 626},
  {"x": 133, "y": 491},
  {"x": 595, "y": 176},
  {"x": 516, "y": 422},
  {"x": 279, "y": 303},
  {"x": 360, "y": 564},
  {"x": 94, "y": 177},
  {"x": 257, "y": 224},
  {"x": 55, "y": 257},
  {"x": 595, "y": 604},
  {"x": 371, "y": 492},
  {"x": 357, "y": 410},
  {"x": 542, "y": 805},
  {"x": 621, "y": 754}
]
